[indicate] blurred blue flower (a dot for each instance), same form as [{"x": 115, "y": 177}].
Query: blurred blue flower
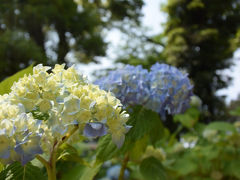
[
  {"x": 170, "y": 90},
  {"x": 164, "y": 88},
  {"x": 129, "y": 84}
]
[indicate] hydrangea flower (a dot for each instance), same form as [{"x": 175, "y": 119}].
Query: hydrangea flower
[
  {"x": 170, "y": 90},
  {"x": 44, "y": 107},
  {"x": 130, "y": 84},
  {"x": 15, "y": 137},
  {"x": 164, "y": 88},
  {"x": 95, "y": 129}
]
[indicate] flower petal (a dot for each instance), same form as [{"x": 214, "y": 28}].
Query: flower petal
[{"x": 94, "y": 129}]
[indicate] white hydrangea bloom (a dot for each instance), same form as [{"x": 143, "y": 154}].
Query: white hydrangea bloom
[{"x": 43, "y": 107}]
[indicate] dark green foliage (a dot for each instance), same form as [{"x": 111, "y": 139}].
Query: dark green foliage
[
  {"x": 144, "y": 122},
  {"x": 214, "y": 155},
  {"x": 27, "y": 26},
  {"x": 1, "y": 167},
  {"x": 5, "y": 86},
  {"x": 203, "y": 152},
  {"x": 16, "y": 171},
  {"x": 17, "y": 51},
  {"x": 70, "y": 165},
  {"x": 69, "y": 153},
  {"x": 106, "y": 149},
  {"x": 152, "y": 169},
  {"x": 72, "y": 171},
  {"x": 221, "y": 126},
  {"x": 194, "y": 151},
  {"x": 200, "y": 36},
  {"x": 188, "y": 119}
]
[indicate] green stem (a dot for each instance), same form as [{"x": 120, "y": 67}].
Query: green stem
[
  {"x": 52, "y": 161},
  {"x": 172, "y": 137},
  {"x": 68, "y": 135},
  {"x": 47, "y": 166},
  {"x": 51, "y": 164},
  {"x": 124, "y": 166}
]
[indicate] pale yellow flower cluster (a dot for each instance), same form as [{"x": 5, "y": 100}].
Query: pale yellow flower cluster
[{"x": 50, "y": 103}]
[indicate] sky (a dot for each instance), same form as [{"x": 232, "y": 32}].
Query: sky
[
  {"x": 153, "y": 19},
  {"x": 233, "y": 89}
]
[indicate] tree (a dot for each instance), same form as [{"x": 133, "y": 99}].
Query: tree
[
  {"x": 200, "y": 38},
  {"x": 27, "y": 26}
]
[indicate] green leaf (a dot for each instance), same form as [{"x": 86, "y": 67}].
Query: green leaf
[
  {"x": 232, "y": 168},
  {"x": 152, "y": 169},
  {"x": 69, "y": 153},
  {"x": 5, "y": 85},
  {"x": 195, "y": 4},
  {"x": 235, "y": 112},
  {"x": 106, "y": 149},
  {"x": 79, "y": 172},
  {"x": 16, "y": 171},
  {"x": 156, "y": 131},
  {"x": 69, "y": 171},
  {"x": 1, "y": 167},
  {"x": 90, "y": 172},
  {"x": 208, "y": 151},
  {"x": 221, "y": 126},
  {"x": 144, "y": 121},
  {"x": 189, "y": 118},
  {"x": 184, "y": 166},
  {"x": 138, "y": 149}
]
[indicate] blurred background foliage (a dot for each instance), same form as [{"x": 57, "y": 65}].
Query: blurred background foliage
[
  {"x": 199, "y": 36},
  {"x": 45, "y": 31}
]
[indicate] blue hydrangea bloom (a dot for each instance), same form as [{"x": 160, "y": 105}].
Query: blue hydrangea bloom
[
  {"x": 19, "y": 141},
  {"x": 94, "y": 129},
  {"x": 29, "y": 148},
  {"x": 163, "y": 89},
  {"x": 129, "y": 84},
  {"x": 170, "y": 90}
]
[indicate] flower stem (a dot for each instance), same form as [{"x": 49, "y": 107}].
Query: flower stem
[
  {"x": 51, "y": 176},
  {"x": 68, "y": 135},
  {"x": 124, "y": 165},
  {"x": 51, "y": 164}
]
